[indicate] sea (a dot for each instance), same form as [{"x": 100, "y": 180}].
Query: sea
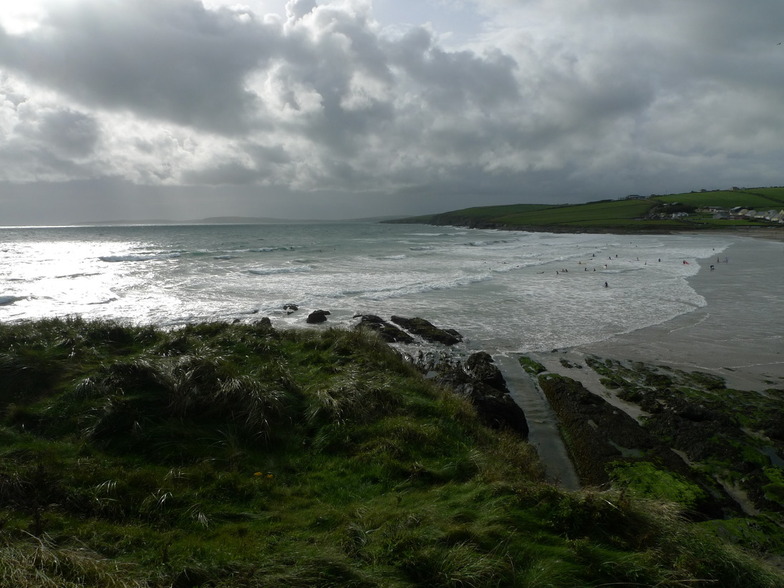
[{"x": 504, "y": 291}]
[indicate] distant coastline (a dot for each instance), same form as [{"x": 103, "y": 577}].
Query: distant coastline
[{"x": 739, "y": 209}]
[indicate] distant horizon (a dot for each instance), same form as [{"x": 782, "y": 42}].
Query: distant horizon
[
  {"x": 252, "y": 219},
  {"x": 228, "y": 220}
]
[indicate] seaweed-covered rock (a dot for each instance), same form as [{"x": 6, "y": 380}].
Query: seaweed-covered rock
[
  {"x": 600, "y": 434},
  {"x": 428, "y": 331}
]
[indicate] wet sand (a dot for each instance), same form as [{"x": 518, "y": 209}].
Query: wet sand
[{"x": 738, "y": 335}]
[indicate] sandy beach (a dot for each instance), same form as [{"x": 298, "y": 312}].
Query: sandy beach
[{"x": 738, "y": 334}]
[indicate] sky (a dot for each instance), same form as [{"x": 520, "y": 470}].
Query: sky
[{"x": 333, "y": 109}]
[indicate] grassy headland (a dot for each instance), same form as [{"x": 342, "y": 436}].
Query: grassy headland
[
  {"x": 239, "y": 455},
  {"x": 657, "y": 214}
]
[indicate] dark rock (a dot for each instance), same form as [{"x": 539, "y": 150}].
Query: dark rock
[
  {"x": 289, "y": 308},
  {"x": 389, "y": 333},
  {"x": 264, "y": 323},
  {"x": 428, "y": 331},
  {"x": 317, "y": 316},
  {"x": 481, "y": 368},
  {"x": 481, "y": 382},
  {"x": 496, "y": 408}
]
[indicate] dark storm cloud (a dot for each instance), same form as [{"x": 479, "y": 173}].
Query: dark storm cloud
[
  {"x": 73, "y": 133},
  {"x": 453, "y": 80},
  {"x": 171, "y": 60}
]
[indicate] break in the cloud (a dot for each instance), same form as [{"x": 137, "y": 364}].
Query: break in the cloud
[{"x": 348, "y": 108}]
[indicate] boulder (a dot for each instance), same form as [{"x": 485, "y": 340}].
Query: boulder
[
  {"x": 481, "y": 382},
  {"x": 317, "y": 316},
  {"x": 290, "y": 307},
  {"x": 496, "y": 408},
  {"x": 428, "y": 331},
  {"x": 264, "y": 323},
  {"x": 480, "y": 367}
]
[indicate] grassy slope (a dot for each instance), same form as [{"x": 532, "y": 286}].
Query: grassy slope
[
  {"x": 237, "y": 455},
  {"x": 613, "y": 214}
]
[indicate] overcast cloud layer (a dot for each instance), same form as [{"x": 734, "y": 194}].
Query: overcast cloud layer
[{"x": 182, "y": 109}]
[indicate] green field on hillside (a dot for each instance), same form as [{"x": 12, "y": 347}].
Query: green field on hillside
[
  {"x": 759, "y": 198},
  {"x": 653, "y": 213},
  {"x": 596, "y": 212}
]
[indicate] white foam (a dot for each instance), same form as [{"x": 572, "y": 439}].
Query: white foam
[
  {"x": 137, "y": 257},
  {"x": 269, "y": 271}
]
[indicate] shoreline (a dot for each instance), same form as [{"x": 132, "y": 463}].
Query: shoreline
[
  {"x": 770, "y": 233},
  {"x": 738, "y": 334}
]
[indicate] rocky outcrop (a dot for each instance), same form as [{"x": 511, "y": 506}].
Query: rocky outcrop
[
  {"x": 264, "y": 323},
  {"x": 478, "y": 379},
  {"x": 428, "y": 331},
  {"x": 481, "y": 368},
  {"x": 290, "y": 307},
  {"x": 599, "y": 434},
  {"x": 481, "y": 382},
  {"x": 317, "y": 317},
  {"x": 388, "y": 332}
]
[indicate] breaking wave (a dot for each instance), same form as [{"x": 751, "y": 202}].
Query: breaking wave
[{"x": 267, "y": 271}]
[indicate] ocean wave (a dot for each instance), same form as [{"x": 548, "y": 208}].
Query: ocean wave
[
  {"x": 392, "y": 257},
  {"x": 8, "y": 300},
  {"x": 517, "y": 265},
  {"x": 78, "y": 275},
  {"x": 386, "y": 292},
  {"x": 486, "y": 243},
  {"x": 266, "y": 271},
  {"x": 271, "y": 249},
  {"x": 101, "y": 302},
  {"x": 137, "y": 257}
]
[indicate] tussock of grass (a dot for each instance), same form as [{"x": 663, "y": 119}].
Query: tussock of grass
[
  {"x": 235, "y": 455},
  {"x": 39, "y": 563}
]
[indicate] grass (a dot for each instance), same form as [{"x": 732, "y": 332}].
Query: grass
[
  {"x": 758, "y": 198},
  {"x": 531, "y": 366},
  {"x": 238, "y": 455}
]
